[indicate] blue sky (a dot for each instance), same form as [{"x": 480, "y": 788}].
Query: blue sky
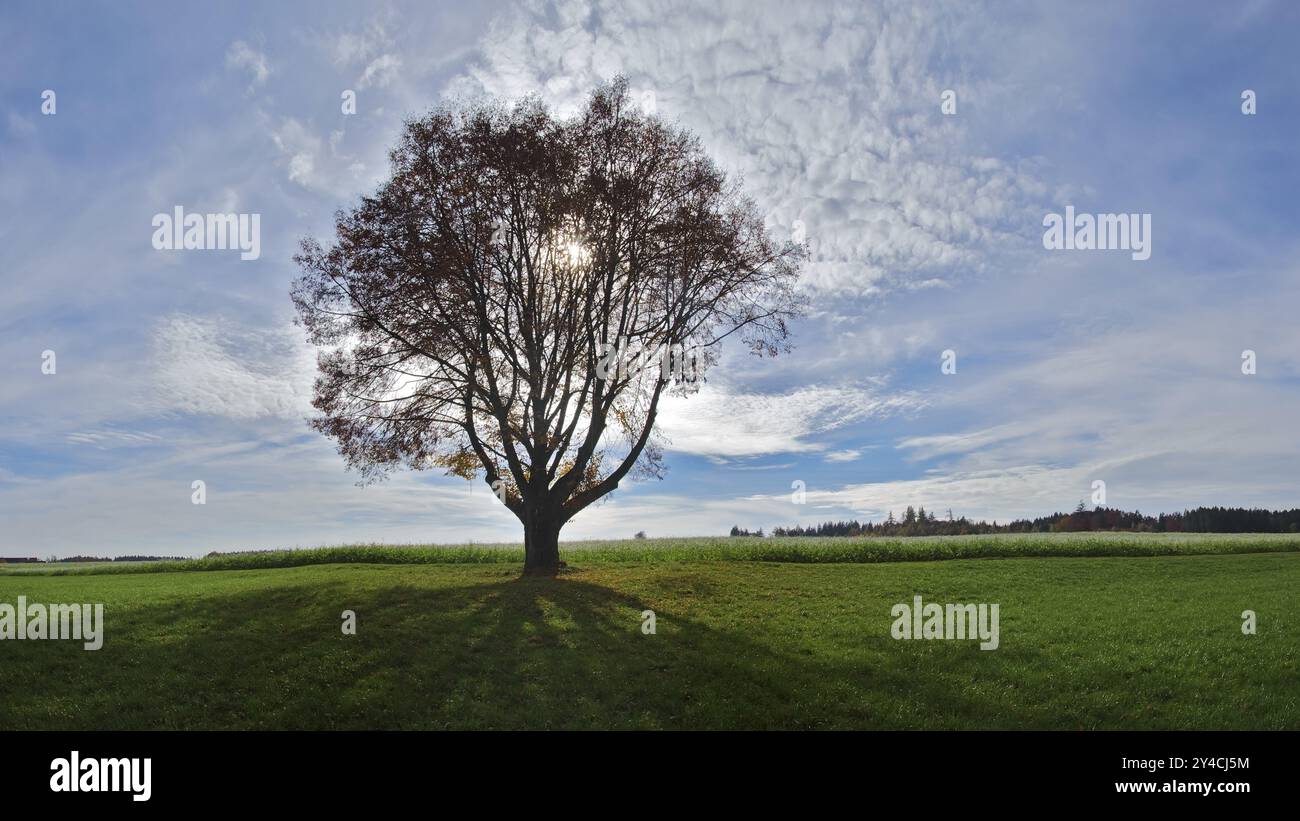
[{"x": 925, "y": 230}]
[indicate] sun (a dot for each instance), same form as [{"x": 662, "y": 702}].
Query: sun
[{"x": 576, "y": 253}]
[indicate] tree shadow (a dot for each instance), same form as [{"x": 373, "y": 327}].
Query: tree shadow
[{"x": 496, "y": 653}]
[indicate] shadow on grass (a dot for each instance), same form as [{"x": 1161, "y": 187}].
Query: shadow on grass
[{"x": 509, "y": 653}]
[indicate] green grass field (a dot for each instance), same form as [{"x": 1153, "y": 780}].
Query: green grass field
[
  {"x": 750, "y": 634},
  {"x": 805, "y": 550}
]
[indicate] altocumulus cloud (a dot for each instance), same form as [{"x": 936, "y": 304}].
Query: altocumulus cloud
[
  {"x": 206, "y": 365},
  {"x": 829, "y": 112}
]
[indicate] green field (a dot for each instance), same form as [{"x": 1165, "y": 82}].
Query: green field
[
  {"x": 799, "y": 638},
  {"x": 802, "y": 550}
]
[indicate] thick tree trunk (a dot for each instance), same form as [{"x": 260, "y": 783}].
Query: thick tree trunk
[{"x": 541, "y": 545}]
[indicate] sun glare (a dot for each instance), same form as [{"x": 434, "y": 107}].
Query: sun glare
[{"x": 577, "y": 253}]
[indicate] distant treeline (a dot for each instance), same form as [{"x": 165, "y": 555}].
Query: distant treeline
[{"x": 920, "y": 522}]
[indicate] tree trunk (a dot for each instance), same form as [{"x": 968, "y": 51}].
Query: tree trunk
[{"x": 541, "y": 545}]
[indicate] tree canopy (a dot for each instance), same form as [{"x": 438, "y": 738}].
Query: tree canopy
[{"x": 516, "y": 299}]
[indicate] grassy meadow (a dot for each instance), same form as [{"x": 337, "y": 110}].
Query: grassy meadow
[{"x": 1097, "y": 631}]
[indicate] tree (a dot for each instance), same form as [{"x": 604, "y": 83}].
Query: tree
[{"x": 519, "y": 295}]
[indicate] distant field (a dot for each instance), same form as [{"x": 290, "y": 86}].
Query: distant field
[
  {"x": 814, "y": 550},
  {"x": 68, "y": 567},
  {"x": 1091, "y": 642}
]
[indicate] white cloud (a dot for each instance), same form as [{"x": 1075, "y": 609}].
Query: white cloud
[
  {"x": 668, "y": 515},
  {"x": 213, "y": 366},
  {"x": 380, "y": 72},
  {"x": 830, "y": 114},
  {"x": 716, "y": 422},
  {"x": 842, "y": 456},
  {"x": 299, "y": 148},
  {"x": 240, "y": 55},
  {"x": 943, "y": 444},
  {"x": 318, "y": 164},
  {"x": 1023, "y": 490},
  {"x": 144, "y": 505},
  {"x": 349, "y": 48},
  {"x": 109, "y": 438}
]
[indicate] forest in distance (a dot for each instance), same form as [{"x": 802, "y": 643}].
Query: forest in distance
[{"x": 920, "y": 522}]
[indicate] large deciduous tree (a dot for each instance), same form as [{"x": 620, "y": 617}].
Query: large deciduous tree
[{"x": 520, "y": 294}]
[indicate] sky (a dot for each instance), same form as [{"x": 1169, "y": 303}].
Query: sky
[{"x": 916, "y": 147}]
